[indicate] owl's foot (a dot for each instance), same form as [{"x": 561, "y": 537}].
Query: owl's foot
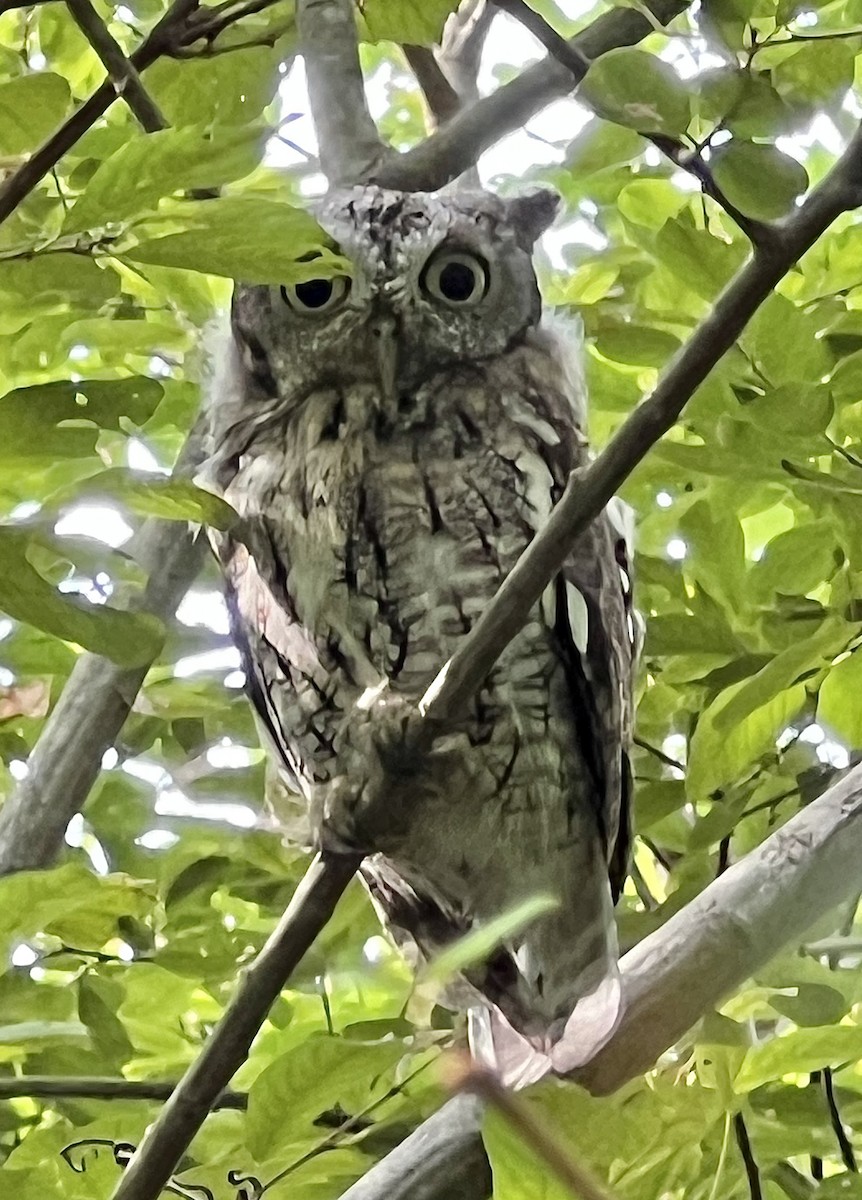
[{"x": 363, "y": 811}]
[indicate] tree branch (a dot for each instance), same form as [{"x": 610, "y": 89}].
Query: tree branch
[
  {"x": 86, "y": 1087},
  {"x": 743, "y": 1141},
  {"x": 349, "y": 143},
  {"x": 589, "y": 489},
  {"x": 845, "y": 1146},
  {"x": 672, "y": 978},
  {"x": 181, "y": 26},
  {"x": 578, "y": 1179},
  {"x": 95, "y": 702},
  {"x": 457, "y": 145},
  {"x": 122, "y": 72},
  {"x": 165, "y": 1141},
  {"x": 440, "y": 95},
  {"x": 679, "y": 154}
]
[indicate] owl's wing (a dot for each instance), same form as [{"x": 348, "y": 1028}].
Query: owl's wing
[
  {"x": 595, "y": 627},
  {"x": 259, "y": 627}
]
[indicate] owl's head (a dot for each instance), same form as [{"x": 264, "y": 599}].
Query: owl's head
[{"x": 436, "y": 281}]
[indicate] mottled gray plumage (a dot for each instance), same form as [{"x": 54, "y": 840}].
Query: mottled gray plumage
[{"x": 392, "y": 449}]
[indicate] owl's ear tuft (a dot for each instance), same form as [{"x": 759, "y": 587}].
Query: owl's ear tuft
[{"x": 531, "y": 213}]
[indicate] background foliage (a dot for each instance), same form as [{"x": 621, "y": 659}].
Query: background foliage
[{"x": 749, "y": 574}]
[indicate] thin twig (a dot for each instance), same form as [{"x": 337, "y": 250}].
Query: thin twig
[
  {"x": 845, "y": 1146},
  {"x": 751, "y": 1169},
  {"x": 122, "y": 72},
  {"x": 673, "y": 763},
  {"x": 467, "y": 1076},
  {"x": 86, "y": 1087}
]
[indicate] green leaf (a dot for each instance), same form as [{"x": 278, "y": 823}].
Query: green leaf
[
  {"x": 818, "y": 73},
  {"x": 31, "y": 108},
  {"x": 702, "y": 262},
  {"x": 801, "y": 409},
  {"x": 404, "y": 21},
  {"x": 225, "y": 89},
  {"x": 760, "y": 180},
  {"x": 839, "y": 702},
  {"x": 476, "y": 946},
  {"x": 797, "y": 560},
  {"x": 36, "y": 1031},
  {"x": 650, "y": 202},
  {"x": 718, "y": 755},
  {"x": 784, "y": 343},
  {"x": 69, "y": 902},
  {"x": 636, "y": 89},
  {"x": 128, "y": 638},
  {"x": 245, "y": 238},
  {"x": 162, "y": 163},
  {"x": 799, "y": 1053},
  {"x": 637, "y": 344},
  {"x": 171, "y": 498},
  {"x": 62, "y": 420},
  {"x": 321, "y": 1074}
]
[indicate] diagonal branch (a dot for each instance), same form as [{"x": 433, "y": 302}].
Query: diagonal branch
[
  {"x": 589, "y": 489},
  {"x": 586, "y": 495},
  {"x": 348, "y": 138},
  {"x": 122, "y": 72},
  {"x": 679, "y": 154},
  {"x": 183, "y": 24},
  {"x": 166, "y": 1140}
]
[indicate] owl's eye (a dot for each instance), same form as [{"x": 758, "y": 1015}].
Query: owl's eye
[
  {"x": 316, "y": 295},
  {"x": 457, "y": 278}
]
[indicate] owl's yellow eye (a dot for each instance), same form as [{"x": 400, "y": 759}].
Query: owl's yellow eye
[
  {"x": 316, "y": 295},
  {"x": 455, "y": 277}
]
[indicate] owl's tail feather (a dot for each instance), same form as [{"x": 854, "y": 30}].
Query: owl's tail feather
[{"x": 520, "y": 1061}]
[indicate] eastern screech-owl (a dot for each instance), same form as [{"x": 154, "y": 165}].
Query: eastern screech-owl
[{"x": 392, "y": 440}]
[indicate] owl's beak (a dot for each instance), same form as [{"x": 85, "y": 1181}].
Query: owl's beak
[{"x": 384, "y": 331}]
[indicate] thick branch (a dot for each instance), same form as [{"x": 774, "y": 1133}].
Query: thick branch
[
  {"x": 122, "y": 72},
  {"x": 310, "y": 908},
  {"x": 94, "y": 704},
  {"x": 672, "y": 978},
  {"x": 86, "y": 1087},
  {"x": 456, "y": 147},
  {"x": 347, "y": 136}
]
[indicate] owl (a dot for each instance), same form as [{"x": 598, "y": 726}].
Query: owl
[{"x": 392, "y": 439}]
